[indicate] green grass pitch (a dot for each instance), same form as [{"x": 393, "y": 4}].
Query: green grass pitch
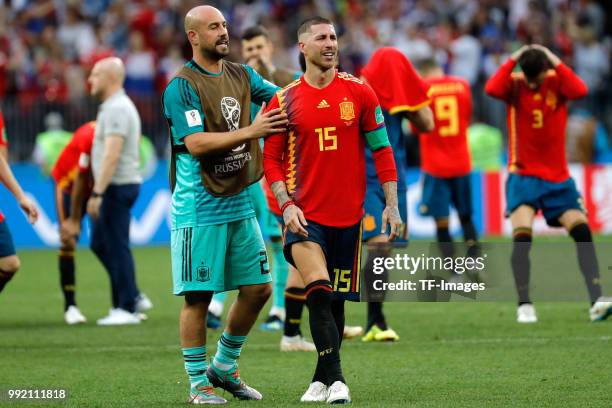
[{"x": 454, "y": 354}]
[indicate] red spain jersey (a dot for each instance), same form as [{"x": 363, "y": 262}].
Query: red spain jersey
[
  {"x": 397, "y": 84},
  {"x": 321, "y": 158},
  {"x": 3, "y": 140},
  {"x": 444, "y": 150},
  {"x": 537, "y": 119},
  {"x": 75, "y": 157}
]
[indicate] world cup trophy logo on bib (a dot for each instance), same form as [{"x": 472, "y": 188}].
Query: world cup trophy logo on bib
[{"x": 230, "y": 108}]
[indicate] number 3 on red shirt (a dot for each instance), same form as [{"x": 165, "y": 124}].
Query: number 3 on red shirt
[{"x": 538, "y": 119}]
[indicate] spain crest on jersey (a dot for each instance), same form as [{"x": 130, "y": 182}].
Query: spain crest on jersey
[
  {"x": 551, "y": 100},
  {"x": 347, "y": 112}
]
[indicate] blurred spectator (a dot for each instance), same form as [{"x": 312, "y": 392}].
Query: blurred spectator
[
  {"x": 518, "y": 10},
  {"x": 593, "y": 12},
  {"x": 94, "y": 8},
  {"x": 465, "y": 53},
  {"x": 139, "y": 66},
  {"x": 592, "y": 59},
  {"x": 116, "y": 27},
  {"x": 76, "y": 36},
  {"x": 47, "y": 47},
  {"x": 170, "y": 64},
  {"x": 592, "y": 62},
  {"x": 35, "y": 15},
  {"x": 4, "y": 56},
  {"x": 100, "y": 51},
  {"x": 51, "y": 67},
  {"x": 533, "y": 27},
  {"x": 413, "y": 44}
]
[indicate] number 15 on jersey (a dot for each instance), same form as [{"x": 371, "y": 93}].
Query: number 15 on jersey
[{"x": 328, "y": 140}]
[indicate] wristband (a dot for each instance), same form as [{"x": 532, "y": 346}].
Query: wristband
[
  {"x": 95, "y": 194},
  {"x": 287, "y": 204}
]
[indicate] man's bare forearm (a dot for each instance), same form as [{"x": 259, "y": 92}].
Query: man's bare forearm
[
  {"x": 203, "y": 143},
  {"x": 9, "y": 180},
  {"x": 390, "y": 189},
  {"x": 422, "y": 119},
  {"x": 280, "y": 192}
]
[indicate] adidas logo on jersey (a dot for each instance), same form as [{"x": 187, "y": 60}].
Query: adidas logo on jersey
[{"x": 323, "y": 104}]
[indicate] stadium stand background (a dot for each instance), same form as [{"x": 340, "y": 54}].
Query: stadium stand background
[{"x": 47, "y": 48}]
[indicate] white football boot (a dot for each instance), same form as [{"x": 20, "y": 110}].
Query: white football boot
[
  {"x": 74, "y": 316},
  {"x": 296, "y": 343},
  {"x": 119, "y": 317},
  {"x": 351, "y": 332},
  {"x": 143, "y": 303},
  {"x": 526, "y": 313},
  {"x": 601, "y": 309},
  {"x": 338, "y": 393},
  {"x": 316, "y": 392}
]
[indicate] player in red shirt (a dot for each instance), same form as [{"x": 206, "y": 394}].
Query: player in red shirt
[
  {"x": 536, "y": 101},
  {"x": 402, "y": 93},
  {"x": 445, "y": 157},
  {"x": 317, "y": 173},
  {"x": 73, "y": 183}
]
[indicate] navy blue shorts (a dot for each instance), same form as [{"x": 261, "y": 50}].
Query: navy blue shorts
[
  {"x": 553, "y": 199},
  {"x": 375, "y": 204},
  {"x": 7, "y": 248},
  {"x": 342, "y": 249},
  {"x": 439, "y": 193}
]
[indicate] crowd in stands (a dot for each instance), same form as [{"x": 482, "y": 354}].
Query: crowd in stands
[{"x": 47, "y": 47}]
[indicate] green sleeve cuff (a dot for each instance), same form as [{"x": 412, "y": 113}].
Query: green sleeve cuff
[{"x": 377, "y": 139}]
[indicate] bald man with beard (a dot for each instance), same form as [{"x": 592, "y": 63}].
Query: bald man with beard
[
  {"x": 115, "y": 162},
  {"x": 216, "y": 243}
]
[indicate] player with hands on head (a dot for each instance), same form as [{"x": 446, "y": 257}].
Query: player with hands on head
[{"x": 539, "y": 180}]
